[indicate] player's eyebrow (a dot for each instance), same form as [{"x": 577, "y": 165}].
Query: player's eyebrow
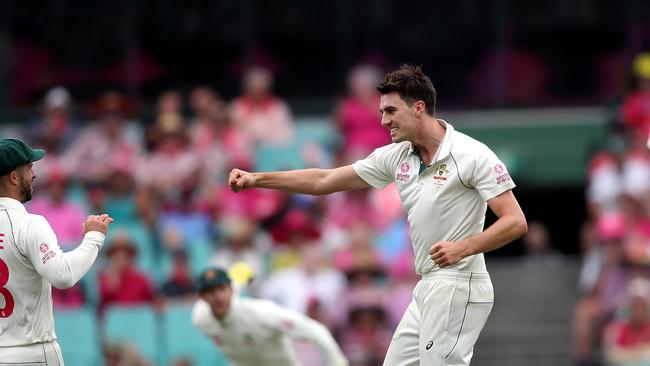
[{"x": 389, "y": 108}]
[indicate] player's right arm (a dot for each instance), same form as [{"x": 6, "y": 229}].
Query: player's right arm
[
  {"x": 64, "y": 270},
  {"x": 305, "y": 181}
]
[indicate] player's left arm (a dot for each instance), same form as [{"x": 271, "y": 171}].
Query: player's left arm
[
  {"x": 301, "y": 327},
  {"x": 510, "y": 225}
]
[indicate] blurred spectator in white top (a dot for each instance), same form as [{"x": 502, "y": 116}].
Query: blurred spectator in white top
[
  {"x": 358, "y": 117},
  {"x": 605, "y": 177},
  {"x": 103, "y": 141},
  {"x": 242, "y": 242},
  {"x": 172, "y": 160},
  {"x": 54, "y": 131},
  {"x": 220, "y": 145},
  {"x": 261, "y": 116},
  {"x": 314, "y": 280}
]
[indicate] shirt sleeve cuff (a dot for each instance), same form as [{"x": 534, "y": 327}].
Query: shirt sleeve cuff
[{"x": 95, "y": 237}]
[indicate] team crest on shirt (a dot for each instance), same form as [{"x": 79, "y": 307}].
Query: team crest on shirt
[
  {"x": 404, "y": 174},
  {"x": 249, "y": 340},
  {"x": 502, "y": 174},
  {"x": 441, "y": 174},
  {"x": 43, "y": 248}
]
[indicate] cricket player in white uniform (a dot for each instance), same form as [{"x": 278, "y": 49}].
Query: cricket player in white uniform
[
  {"x": 252, "y": 332},
  {"x": 445, "y": 180},
  {"x": 31, "y": 261}
]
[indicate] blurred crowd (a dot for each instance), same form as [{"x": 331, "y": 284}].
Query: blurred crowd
[
  {"x": 343, "y": 259},
  {"x": 612, "y": 316}
]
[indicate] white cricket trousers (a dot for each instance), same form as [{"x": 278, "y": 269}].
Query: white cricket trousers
[
  {"x": 38, "y": 354},
  {"x": 443, "y": 321}
]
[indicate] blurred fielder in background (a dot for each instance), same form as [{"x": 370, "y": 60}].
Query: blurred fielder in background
[
  {"x": 445, "y": 180},
  {"x": 252, "y": 332},
  {"x": 31, "y": 261}
]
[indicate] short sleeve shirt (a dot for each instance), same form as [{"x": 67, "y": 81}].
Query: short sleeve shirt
[{"x": 446, "y": 200}]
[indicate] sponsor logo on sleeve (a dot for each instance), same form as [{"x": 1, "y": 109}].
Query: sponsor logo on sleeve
[
  {"x": 287, "y": 324},
  {"x": 45, "y": 249},
  {"x": 403, "y": 175},
  {"x": 502, "y": 174}
]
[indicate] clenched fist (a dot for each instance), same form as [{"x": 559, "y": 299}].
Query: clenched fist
[
  {"x": 447, "y": 253},
  {"x": 97, "y": 223},
  {"x": 240, "y": 180}
]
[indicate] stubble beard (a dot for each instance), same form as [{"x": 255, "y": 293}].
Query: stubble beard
[{"x": 25, "y": 190}]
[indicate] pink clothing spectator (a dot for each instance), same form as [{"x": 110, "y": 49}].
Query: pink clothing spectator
[
  {"x": 95, "y": 149},
  {"x": 171, "y": 164},
  {"x": 121, "y": 282},
  {"x": 256, "y": 204},
  {"x": 347, "y": 209},
  {"x": 265, "y": 121},
  {"x": 262, "y": 117},
  {"x": 70, "y": 298},
  {"x": 65, "y": 217},
  {"x": 131, "y": 287},
  {"x": 360, "y": 126},
  {"x": 358, "y": 117},
  {"x": 635, "y": 112}
]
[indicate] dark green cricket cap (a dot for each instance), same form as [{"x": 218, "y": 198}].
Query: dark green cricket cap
[
  {"x": 212, "y": 276},
  {"x": 14, "y": 153}
]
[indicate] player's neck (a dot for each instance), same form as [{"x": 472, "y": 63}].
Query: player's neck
[
  {"x": 430, "y": 138},
  {"x": 8, "y": 193}
]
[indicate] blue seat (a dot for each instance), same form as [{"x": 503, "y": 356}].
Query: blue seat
[
  {"x": 78, "y": 336},
  {"x": 134, "y": 325},
  {"x": 182, "y": 340},
  {"x": 200, "y": 252}
]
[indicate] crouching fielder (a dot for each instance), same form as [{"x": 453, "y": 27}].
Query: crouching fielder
[{"x": 252, "y": 331}]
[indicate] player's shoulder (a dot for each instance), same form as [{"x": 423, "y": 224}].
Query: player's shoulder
[
  {"x": 34, "y": 221},
  {"x": 256, "y": 305},
  {"x": 391, "y": 150},
  {"x": 201, "y": 313},
  {"x": 467, "y": 147}
]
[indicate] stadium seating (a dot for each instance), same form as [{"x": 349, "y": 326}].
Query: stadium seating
[
  {"x": 78, "y": 336},
  {"x": 135, "y": 325},
  {"x": 182, "y": 340}
]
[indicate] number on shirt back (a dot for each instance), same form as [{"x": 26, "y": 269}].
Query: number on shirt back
[{"x": 9, "y": 300}]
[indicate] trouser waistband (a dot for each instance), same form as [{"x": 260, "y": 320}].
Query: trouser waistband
[{"x": 456, "y": 274}]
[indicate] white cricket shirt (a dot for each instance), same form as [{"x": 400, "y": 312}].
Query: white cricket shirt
[
  {"x": 259, "y": 332},
  {"x": 445, "y": 201},
  {"x": 31, "y": 261}
]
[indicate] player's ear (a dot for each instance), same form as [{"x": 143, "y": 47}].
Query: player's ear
[
  {"x": 13, "y": 177},
  {"x": 419, "y": 108}
]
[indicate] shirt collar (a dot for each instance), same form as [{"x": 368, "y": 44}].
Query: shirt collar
[
  {"x": 445, "y": 145},
  {"x": 10, "y": 203}
]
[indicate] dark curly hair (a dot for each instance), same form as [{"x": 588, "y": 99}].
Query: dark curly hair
[{"x": 412, "y": 85}]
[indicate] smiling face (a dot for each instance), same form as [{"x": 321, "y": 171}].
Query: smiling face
[{"x": 399, "y": 118}]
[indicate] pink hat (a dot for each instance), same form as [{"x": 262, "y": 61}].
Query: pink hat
[{"x": 611, "y": 226}]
